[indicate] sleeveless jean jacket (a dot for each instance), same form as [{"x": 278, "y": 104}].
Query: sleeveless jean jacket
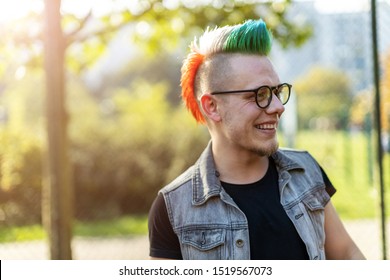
[{"x": 210, "y": 225}]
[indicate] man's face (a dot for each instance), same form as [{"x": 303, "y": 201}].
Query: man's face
[{"x": 244, "y": 126}]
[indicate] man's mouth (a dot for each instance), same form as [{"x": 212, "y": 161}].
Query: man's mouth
[{"x": 266, "y": 126}]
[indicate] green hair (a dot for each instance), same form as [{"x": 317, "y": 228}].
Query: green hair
[{"x": 250, "y": 37}]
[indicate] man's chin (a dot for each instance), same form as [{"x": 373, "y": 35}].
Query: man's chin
[{"x": 266, "y": 151}]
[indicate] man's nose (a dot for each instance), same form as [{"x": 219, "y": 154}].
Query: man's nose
[{"x": 276, "y": 105}]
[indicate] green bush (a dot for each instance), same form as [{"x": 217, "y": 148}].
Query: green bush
[
  {"x": 123, "y": 150},
  {"x": 21, "y": 178},
  {"x": 136, "y": 145}
]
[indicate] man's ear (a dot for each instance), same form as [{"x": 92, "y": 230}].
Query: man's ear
[{"x": 210, "y": 108}]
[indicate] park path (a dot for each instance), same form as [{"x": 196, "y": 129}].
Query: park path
[
  {"x": 124, "y": 248},
  {"x": 366, "y": 233}
]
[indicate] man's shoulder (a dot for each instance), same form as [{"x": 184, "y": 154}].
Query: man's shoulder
[
  {"x": 288, "y": 156},
  {"x": 295, "y": 153}
]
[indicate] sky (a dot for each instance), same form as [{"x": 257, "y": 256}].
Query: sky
[{"x": 14, "y": 9}]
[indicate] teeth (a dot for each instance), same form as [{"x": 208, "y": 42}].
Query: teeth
[{"x": 266, "y": 126}]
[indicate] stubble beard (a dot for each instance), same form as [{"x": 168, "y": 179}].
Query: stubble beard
[
  {"x": 260, "y": 149},
  {"x": 265, "y": 151}
]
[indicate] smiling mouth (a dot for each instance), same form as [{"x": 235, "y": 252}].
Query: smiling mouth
[{"x": 266, "y": 126}]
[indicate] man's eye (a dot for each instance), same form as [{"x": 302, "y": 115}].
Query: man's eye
[{"x": 262, "y": 94}]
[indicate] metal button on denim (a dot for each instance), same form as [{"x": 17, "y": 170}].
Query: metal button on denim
[{"x": 239, "y": 243}]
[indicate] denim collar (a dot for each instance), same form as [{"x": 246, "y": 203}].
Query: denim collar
[
  {"x": 205, "y": 179},
  {"x": 284, "y": 162}
]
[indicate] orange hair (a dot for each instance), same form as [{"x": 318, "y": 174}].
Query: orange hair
[{"x": 188, "y": 74}]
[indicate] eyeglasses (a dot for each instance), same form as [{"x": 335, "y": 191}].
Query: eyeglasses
[{"x": 263, "y": 94}]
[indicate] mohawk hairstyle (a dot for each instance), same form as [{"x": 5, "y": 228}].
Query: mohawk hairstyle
[{"x": 250, "y": 37}]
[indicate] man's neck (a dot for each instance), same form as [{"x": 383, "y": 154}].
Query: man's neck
[{"x": 239, "y": 168}]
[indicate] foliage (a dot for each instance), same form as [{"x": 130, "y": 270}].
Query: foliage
[
  {"x": 361, "y": 109},
  {"x": 21, "y": 180},
  {"x": 126, "y": 155},
  {"x": 124, "y": 148},
  {"x": 363, "y": 104},
  {"x": 324, "y": 97},
  {"x": 162, "y": 67},
  {"x": 156, "y": 26}
]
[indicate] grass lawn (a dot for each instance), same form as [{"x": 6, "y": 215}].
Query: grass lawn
[{"x": 124, "y": 226}]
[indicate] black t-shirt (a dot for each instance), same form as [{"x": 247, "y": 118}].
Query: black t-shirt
[{"x": 272, "y": 234}]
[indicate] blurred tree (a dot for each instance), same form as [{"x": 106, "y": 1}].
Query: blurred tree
[
  {"x": 324, "y": 97},
  {"x": 58, "y": 191},
  {"x": 363, "y": 101},
  {"x": 361, "y": 109}
]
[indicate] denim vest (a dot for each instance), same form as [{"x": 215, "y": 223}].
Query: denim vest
[{"x": 210, "y": 225}]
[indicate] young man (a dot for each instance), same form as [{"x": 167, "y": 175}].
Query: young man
[{"x": 244, "y": 198}]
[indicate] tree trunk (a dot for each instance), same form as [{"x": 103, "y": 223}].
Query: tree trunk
[{"x": 57, "y": 200}]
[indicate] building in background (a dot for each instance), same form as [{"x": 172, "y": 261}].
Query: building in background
[{"x": 341, "y": 40}]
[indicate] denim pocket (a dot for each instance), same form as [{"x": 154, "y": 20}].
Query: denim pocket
[{"x": 203, "y": 243}]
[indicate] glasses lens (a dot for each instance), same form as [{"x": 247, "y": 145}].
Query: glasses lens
[
  {"x": 263, "y": 96},
  {"x": 284, "y": 94}
]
